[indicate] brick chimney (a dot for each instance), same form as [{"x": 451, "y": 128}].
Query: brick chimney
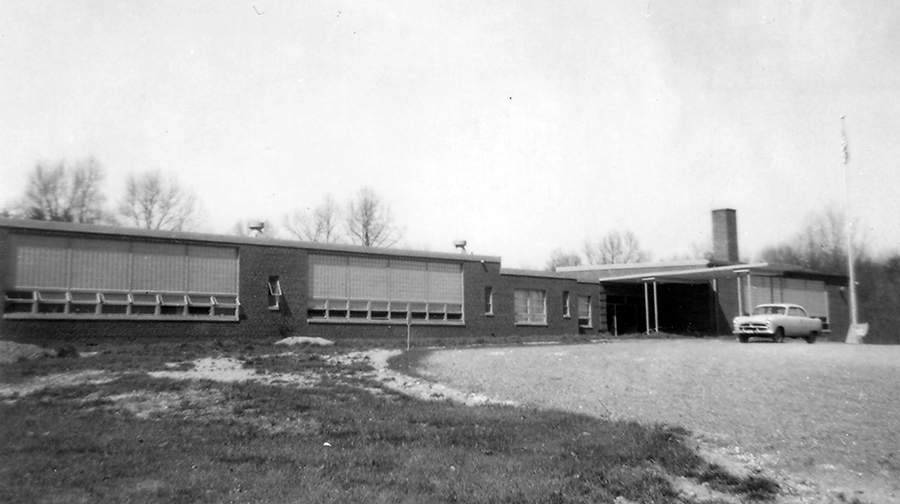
[{"x": 724, "y": 226}]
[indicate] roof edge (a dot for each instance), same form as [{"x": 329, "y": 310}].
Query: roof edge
[
  {"x": 618, "y": 266},
  {"x": 101, "y": 230}
]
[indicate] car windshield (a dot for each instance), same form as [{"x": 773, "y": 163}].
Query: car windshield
[{"x": 769, "y": 310}]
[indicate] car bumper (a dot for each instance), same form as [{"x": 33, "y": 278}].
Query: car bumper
[{"x": 753, "y": 331}]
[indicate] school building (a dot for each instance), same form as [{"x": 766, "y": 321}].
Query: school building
[{"x": 63, "y": 280}]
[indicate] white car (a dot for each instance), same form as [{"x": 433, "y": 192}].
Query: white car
[{"x": 776, "y": 321}]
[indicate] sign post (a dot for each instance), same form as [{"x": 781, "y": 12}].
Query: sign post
[{"x": 408, "y": 326}]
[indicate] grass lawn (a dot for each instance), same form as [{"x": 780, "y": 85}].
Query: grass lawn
[{"x": 105, "y": 430}]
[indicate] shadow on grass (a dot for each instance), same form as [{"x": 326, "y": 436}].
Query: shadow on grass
[{"x": 248, "y": 442}]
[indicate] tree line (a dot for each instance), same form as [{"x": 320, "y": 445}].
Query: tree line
[
  {"x": 615, "y": 247},
  {"x": 821, "y": 245},
  {"x": 74, "y": 192}
]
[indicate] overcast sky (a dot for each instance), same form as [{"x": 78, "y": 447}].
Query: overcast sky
[{"x": 520, "y": 126}]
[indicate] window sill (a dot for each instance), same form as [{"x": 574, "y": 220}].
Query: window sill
[
  {"x": 120, "y": 318},
  {"x": 532, "y": 324},
  {"x": 395, "y": 322}
]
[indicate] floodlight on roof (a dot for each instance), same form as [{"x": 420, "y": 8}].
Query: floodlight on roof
[
  {"x": 256, "y": 227},
  {"x": 461, "y": 245}
]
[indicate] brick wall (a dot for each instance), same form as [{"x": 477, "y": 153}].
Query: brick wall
[{"x": 259, "y": 261}]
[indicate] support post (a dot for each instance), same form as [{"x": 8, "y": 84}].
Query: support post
[
  {"x": 646, "y": 309},
  {"x": 714, "y": 304},
  {"x": 749, "y": 293},
  {"x": 408, "y": 326},
  {"x": 655, "y": 308},
  {"x": 740, "y": 287},
  {"x": 616, "y": 320}
]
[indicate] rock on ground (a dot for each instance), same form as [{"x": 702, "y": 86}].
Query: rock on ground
[
  {"x": 13, "y": 352},
  {"x": 305, "y": 340}
]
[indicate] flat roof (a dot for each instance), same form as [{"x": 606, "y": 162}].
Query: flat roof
[
  {"x": 129, "y": 232},
  {"x": 536, "y": 273},
  {"x": 694, "y": 275},
  {"x": 594, "y": 272},
  {"x": 699, "y": 275},
  {"x": 622, "y": 266}
]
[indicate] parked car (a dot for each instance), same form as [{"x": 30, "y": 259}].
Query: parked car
[{"x": 776, "y": 321}]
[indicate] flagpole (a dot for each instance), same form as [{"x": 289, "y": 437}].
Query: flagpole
[{"x": 855, "y": 332}]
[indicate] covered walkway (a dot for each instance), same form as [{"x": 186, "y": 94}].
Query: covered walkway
[{"x": 742, "y": 273}]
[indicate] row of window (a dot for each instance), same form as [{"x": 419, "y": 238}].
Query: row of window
[
  {"x": 367, "y": 310},
  {"x": 531, "y": 306},
  {"x": 60, "y": 276},
  {"x": 79, "y": 303}
]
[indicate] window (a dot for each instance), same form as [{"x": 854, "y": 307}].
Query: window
[
  {"x": 531, "y": 307},
  {"x": 488, "y": 300},
  {"x": 62, "y": 277},
  {"x": 370, "y": 289},
  {"x": 275, "y": 294},
  {"x": 565, "y": 305},
  {"x": 584, "y": 311}
]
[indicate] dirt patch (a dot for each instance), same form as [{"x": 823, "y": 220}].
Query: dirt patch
[
  {"x": 88, "y": 377},
  {"x": 421, "y": 388},
  {"x": 14, "y": 352},
  {"x": 226, "y": 369}
]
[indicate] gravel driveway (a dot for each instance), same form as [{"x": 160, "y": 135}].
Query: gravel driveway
[{"x": 829, "y": 412}]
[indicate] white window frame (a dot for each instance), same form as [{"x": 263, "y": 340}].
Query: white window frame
[
  {"x": 346, "y": 305},
  {"x": 275, "y": 293},
  {"x": 590, "y": 317},
  {"x": 530, "y": 311},
  {"x": 119, "y": 302}
]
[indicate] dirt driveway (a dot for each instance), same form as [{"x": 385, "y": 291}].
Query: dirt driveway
[{"x": 827, "y": 413}]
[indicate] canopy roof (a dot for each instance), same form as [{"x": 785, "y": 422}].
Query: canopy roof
[{"x": 702, "y": 275}]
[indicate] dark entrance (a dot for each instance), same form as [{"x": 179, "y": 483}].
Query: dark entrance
[{"x": 683, "y": 308}]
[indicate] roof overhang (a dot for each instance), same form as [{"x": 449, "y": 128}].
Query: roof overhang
[{"x": 699, "y": 275}]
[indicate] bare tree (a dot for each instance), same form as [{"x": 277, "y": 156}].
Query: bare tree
[
  {"x": 698, "y": 251},
  {"x": 560, "y": 258},
  {"x": 615, "y": 248},
  {"x": 820, "y": 245},
  {"x": 319, "y": 226},
  {"x": 87, "y": 198},
  {"x": 151, "y": 202},
  {"x": 369, "y": 221},
  {"x": 66, "y": 193}
]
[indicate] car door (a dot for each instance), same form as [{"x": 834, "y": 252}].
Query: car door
[{"x": 795, "y": 321}]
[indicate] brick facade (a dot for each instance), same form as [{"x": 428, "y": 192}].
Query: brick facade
[{"x": 259, "y": 260}]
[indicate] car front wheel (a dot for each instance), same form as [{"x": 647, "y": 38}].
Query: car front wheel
[
  {"x": 743, "y": 338},
  {"x": 778, "y": 337}
]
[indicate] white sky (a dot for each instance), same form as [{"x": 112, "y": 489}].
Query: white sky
[{"x": 518, "y": 126}]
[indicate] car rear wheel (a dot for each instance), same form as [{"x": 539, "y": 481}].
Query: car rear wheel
[
  {"x": 811, "y": 338},
  {"x": 778, "y": 337}
]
